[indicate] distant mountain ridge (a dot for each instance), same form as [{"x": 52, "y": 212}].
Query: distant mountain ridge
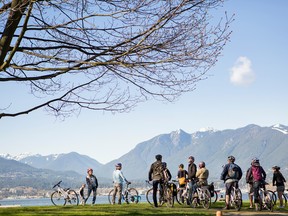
[{"x": 269, "y": 144}]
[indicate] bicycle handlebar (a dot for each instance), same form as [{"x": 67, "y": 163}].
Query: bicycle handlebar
[{"x": 58, "y": 184}]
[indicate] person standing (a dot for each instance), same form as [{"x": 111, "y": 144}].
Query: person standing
[
  {"x": 279, "y": 181},
  {"x": 92, "y": 184},
  {"x": 192, "y": 169},
  {"x": 231, "y": 174},
  {"x": 259, "y": 175},
  {"x": 118, "y": 181},
  {"x": 202, "y": 175},
  {"x": 249, "y": 181},
  {"x": 156, "y": 176}
]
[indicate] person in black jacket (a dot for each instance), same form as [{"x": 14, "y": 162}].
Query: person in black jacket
[
  {"x": 279, "y": 181},
  {"x": 230, "y": 178},
  {"x": 156, "y": 176},
  {"x": 192, "y": 169},
  {"x": 258, "y": 175}
]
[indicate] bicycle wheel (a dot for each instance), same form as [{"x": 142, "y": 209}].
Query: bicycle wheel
[
  {"x": 205, "y": 199},
  {"x": 110, "y": 195},
  {"x": 195, "y": 202},
  {"x": 273, "y": 196},
  {"x": 169, "y": 198},
  {"x": 238, "y": 199},
  {"x": 179, "y": 198},
  {"x": 214, "y": 198},
  {"x": 284, "y": 199},
  {"x": 268, "y": 202},
  {"x": 149, "y": 197},
  {"x": 72, "y": 198},
  {"x": 57, "y": 198},
  {"x": 132, "y": 196}
]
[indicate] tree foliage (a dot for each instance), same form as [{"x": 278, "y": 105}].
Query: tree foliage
[{"x": 106, "y": 54}]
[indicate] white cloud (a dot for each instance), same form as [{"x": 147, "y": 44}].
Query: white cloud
[{"x": 241, "y": 72}]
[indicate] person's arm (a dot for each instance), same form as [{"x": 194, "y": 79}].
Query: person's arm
[
  {"x": 240, "y": 172},
  {"x": 274, "y": 179},
  {"x": 123, "y": 177},
  {"x": 150, "y": 173},
  {"x": 224, "y": 173},
  {"x": 87, "y": 180},
  {"x": 96, "y": 180},
  {"x": 264, "y": 173},
  {"x": 169, "y": 174}
]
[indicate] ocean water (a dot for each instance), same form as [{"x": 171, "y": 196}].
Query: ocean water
[{"x": 47, "y": 201}]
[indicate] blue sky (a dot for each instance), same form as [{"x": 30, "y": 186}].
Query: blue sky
[{"x": 248, "y": 85}]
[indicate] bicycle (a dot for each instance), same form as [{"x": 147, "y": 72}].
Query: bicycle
[
  {"x": 129, "y": 195},
  {"x": 236, "y": 198},
  {"x": 265, "y": 199},
  {"x": 63, "y": 196},
  {"x": 202, "y": 197},
  {"x": 284, "y": 197},
  {"x": 182, "y": 196},
  {"x": 166, "y": 196}
]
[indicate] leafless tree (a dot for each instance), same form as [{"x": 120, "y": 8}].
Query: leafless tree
[{"x": 106, "y": 54}]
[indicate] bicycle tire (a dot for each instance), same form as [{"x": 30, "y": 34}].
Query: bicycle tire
[
  {"x": 132, "y": 196},
  {"x": 214, "y": 198},
  {"x": 206, "y": 201},
  {"x": 149, "y": 197},
  {"x": 169, "y": 198},
  {"x": 179, "y": 198},
  {"x": 268, "y": 201},
  {"x": 72, "y": 198},
  {"x": 285, "y": 199},
  {"x": 274, "y": 196},
  {"x": 238, "y": 203},
  {"x": 195, "y": 202},
  {"x": 110, "y": 194},
  {"x": 57, "y": 199}
]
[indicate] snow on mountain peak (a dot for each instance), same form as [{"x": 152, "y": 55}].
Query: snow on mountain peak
[
  {"x": 207, "y": 129},
  {"x": 281, "y": 128}
]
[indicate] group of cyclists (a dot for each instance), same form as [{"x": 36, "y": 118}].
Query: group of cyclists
[
  {"x": 193, "y": 178},
  {"x": 231, "y": 174}
]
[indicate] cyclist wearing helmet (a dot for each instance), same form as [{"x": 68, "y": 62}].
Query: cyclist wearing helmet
[
  {"x": 118, "y": 181},
  {"x": 156, "y": 175},
  {"x": 92, "y": 184},
  {"x": 231, "y": 174},
  {"x": 258, "y": 175}
]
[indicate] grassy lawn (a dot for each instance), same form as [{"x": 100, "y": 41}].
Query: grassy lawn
[{"x": 124, "y": 209}]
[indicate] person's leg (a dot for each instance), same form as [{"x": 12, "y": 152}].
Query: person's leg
[
  {"x": 94, "y": 195},
  {"x": 228, "y": 187},
  {"x": 120, "y": 188},
  {"x": 114, "y": 194},
  {"x": 250, "y": 191},
  {"x": 256, "y": 186},
  {"x": 280, "y": 190},
  {"x": 155, "y": 188},
  {"x": 88, "y": 194}
]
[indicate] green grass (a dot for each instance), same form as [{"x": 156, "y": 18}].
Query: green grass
[{"x": 124, "y": 209}]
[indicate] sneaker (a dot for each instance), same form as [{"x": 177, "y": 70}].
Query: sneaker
[
  {"x": 226, "y": 207},
  {"x": 281, "y": 207},
  {"x": 251, "y": 207}
]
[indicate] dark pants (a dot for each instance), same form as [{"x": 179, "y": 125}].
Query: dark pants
[
  {"x": 94, "y": 189},
  {"x": 155, "y": 184},
  {"x": 256, "y": 186}
]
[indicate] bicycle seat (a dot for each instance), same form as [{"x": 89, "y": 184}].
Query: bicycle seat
[{"x": 66, "y": 189}]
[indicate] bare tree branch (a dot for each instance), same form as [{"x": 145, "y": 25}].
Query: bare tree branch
[{"x": 106, "y": 54}]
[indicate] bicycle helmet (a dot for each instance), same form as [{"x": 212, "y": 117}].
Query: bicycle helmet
[
  {"x": 202, "y": 164},
  {"x": 255, "y": 160},
  {"x": 89, "y": 169},
  {"x": 164, "y": 164},
  {"x": 231, "y": 158},
  {"x": 118, "y": 165},
  {"x": 158, "y": 157}
]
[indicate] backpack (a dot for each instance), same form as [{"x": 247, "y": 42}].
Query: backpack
[
  {"x": 158, "y": 169},
  {"x": 257, "y": 173},
  {"x": 233, "y": 171}
]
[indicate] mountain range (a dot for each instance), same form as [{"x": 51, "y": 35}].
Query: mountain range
[{"x": 269, "y": 144}]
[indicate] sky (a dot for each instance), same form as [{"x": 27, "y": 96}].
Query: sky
[{"x": 248, "y": 85}]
